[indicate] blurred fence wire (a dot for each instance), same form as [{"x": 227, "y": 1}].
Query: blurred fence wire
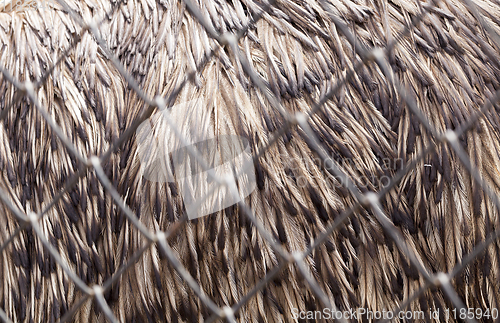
[{"x": 378, "y": 56}]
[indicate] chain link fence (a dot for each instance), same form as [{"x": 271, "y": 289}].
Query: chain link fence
[{"x": 371, "y": 200}]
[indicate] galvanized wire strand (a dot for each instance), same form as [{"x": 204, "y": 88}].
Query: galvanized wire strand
[
  {"x": 119, "y": 201},
  {"x": 98, "y": 293},
  {"x": 4, "y": 316}
]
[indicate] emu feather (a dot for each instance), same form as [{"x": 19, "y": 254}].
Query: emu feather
[{"x": 447, "y": 64}]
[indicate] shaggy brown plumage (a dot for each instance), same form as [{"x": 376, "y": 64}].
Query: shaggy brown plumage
[{"x": 447, "y": 63}]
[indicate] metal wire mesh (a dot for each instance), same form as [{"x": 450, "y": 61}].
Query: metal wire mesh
[{"x": 378, "y": 56}]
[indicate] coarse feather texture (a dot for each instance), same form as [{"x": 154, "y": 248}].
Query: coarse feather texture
[{"x": 447, "y": 63}]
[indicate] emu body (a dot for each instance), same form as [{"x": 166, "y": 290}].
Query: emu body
[{"x": 447, "y": 63}]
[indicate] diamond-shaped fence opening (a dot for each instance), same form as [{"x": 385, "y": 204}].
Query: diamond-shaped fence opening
[{"x": 249, "y": 161}]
